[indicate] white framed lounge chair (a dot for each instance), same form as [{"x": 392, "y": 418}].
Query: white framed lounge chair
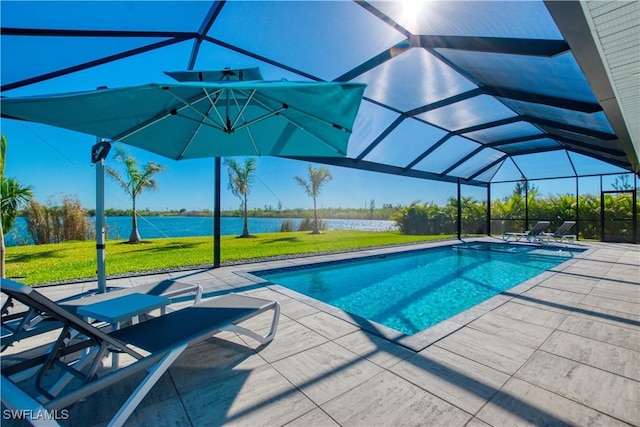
[
  {"x": 154, "y": 345},
  {"x": 536, "y": 233},
  {"x": 561, "y": 233},
  {"x": 22, "y": 324}
]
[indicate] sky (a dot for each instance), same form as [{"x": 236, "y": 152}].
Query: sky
[{"x": 56, "y": 162}]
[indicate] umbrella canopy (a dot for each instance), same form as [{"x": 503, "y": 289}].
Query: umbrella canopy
[{"x": 187, "y": 120}]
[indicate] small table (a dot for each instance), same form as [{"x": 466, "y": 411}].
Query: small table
[{"x": 117, "y": 310}]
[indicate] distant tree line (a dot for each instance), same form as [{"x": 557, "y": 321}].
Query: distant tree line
[
  {"x": 382, "y": 213},
  {"x": 508, "y": 213},
  {"x": 267, "y": 211}
]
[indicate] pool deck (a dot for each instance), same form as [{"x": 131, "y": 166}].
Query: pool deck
[{"x": 562, "y": 348}]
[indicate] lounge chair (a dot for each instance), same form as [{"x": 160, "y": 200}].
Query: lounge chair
[
  {"x": 532, "y": 235},
  {"x": 26, "y": 323},
  {"x": 561, "y": 233},
  {"x": 154, "y": 345}
]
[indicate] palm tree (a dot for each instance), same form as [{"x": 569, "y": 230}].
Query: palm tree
[
  {"x": 13, "y": 196},
  {"x": 134, "y": 183},
  {"x": 240, "y": 180},
  {"x": 317, "y": 178}
]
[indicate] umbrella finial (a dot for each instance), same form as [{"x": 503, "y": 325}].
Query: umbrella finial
[{"x": 228, "y": 72}]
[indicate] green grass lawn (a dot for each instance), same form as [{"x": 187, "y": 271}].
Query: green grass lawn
[{"x": 77, "y": 260}]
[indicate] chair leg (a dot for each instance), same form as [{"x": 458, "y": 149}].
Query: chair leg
[
  {"x": 198, "y": 296},
  {"x": 143, "y": 388},
  {"x": 261, "y": 339}
]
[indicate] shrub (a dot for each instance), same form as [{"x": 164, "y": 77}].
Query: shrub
[
  {"x": 54, "y": 224},
  {"x": 37, "y": 222},
  {"x": 286, "y": 226},
  {"x": 426, "y": 219},
  {"x": 307, "y": 224},
  {"x": 74, "y": 220},
  {"x": 412, "y": 219}
]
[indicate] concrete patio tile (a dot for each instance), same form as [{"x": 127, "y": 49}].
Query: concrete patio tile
[
  {"x": 593, "y": 271},
  {"x": 617, "y": 290},
  {"x": 475, "y": 422},
  {"x": 493, "y": 302},
  {"x": 605, "y": 315},
  {"x": 101, "y": 406},
  {"x": 610, "y": 251},
  {"x": 520, "y": 403},
  {"x": 149, "y": 278},
  {"x": 326, "y": 371},
  {"x": 375, "y": 349},
  {"x": 291, "y": 338},
  {"x": 624, "y": 273},
  {"x": 261, "y": 324},
  {"x": 388, "y": 400},
  {"x": 213, "y": 286},
  {"x": 608, "y": 357},
  {"x": 612, "y": 304},
  {"x": 518, "y": 331},
  {"x": 213, "y": 360},
  {"x": 327, "y": 325},
  {"x": 603, "y": 391},
  {"x": 496, "y": 352},
  {"x": 456, "y": 379},
  {"x": 630, "y": 257},
  {"x": 423, "y": 339},
  {"x": 193, "y": 276},
  {"x": 168, "y": 412},
  {"x": 294, "y": 309},
  {"x": 595, "y": 263},
  {"x": 471, "y": 314},
  {"x": 550, "y": 299},
  {"x": 621, "y": 336},
  {"x": 121, "y": 282},
  {"x": 571, "y": 283},
  {"x": 315, "y": 418},
  {"x": 236, "y": 281},
  {"x": 536, "y": 315},
  {"x": 268, "y": 293},
  {"x": 64, "y": 291},
  {"x": 529, "y": 284},
  {"x": 257, "y": 397}
]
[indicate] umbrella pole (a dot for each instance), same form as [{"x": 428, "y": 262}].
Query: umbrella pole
[
  {"x": 98, "y": 153},
  {"x": 216, "y": 215}
]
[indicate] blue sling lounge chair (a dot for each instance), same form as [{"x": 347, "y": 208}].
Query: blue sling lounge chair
[
  {"x": 535, "y": 234},
  {"x": 561, "y": 233},
  {"x": 153, "y": 344}
]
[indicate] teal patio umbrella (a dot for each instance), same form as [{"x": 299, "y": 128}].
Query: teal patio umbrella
[
  {"x": 239, "y": 114},
  {"x": 187, "y": 120}
]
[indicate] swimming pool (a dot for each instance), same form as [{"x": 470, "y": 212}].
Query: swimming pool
[{"x": 409, "y": 292}]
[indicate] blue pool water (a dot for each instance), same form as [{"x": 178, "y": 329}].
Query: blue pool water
[{"x": 413, "y": 291}]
